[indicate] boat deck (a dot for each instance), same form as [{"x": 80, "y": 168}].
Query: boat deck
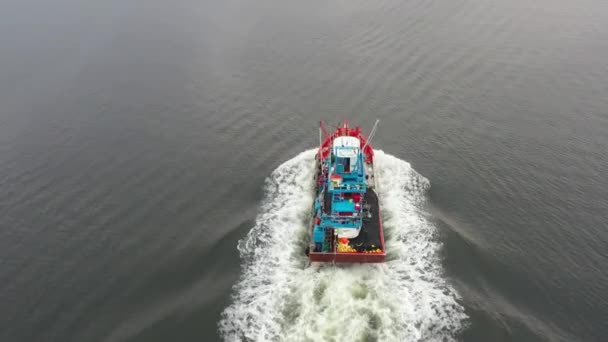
[{"x": 369, "y": 238}]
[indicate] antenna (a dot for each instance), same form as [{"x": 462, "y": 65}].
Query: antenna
[
  {"x": 371, "y": 135},
  {"x": 321, "y": 131},
  {"x": 322, "y": 128}
]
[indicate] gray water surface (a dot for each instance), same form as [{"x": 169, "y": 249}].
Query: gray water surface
[{"x": 135, "y": 137}]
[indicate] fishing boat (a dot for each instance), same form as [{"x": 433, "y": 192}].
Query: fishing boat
[{"x": 346, "y": 222}]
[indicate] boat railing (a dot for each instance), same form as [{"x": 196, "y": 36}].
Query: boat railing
[
  {"x": 342, "y": 221},
  {"x": 348, "y": 187}
]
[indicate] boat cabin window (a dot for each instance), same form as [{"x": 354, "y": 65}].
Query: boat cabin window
[{"x": 347, "y": 152}]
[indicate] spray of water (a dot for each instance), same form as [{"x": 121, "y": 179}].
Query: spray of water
[{"x": 281, "y": 298}]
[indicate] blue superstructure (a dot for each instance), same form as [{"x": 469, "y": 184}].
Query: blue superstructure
[
  {"x": 342, "y": 185},
  {"x": 346, "y": 224}
]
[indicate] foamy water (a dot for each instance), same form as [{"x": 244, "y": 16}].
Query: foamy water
[{"x": 281, "y": 298}]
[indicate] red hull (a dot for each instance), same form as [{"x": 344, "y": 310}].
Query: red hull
[
  {"x": 347, "y": 257},
  {"x": 346, "y": 131}
]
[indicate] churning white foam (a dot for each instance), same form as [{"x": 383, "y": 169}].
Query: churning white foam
[{"x": 281, "y": 298}]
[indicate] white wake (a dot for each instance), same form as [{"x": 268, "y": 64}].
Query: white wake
[{"x": 280, "y": 298}]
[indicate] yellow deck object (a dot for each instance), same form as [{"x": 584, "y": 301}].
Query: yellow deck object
[{"x": 345, "y": 248}]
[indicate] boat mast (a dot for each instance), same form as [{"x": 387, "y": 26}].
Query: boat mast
[
  {"x": 371, "y": 135},
  {"x": 322, "y": 132}
]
